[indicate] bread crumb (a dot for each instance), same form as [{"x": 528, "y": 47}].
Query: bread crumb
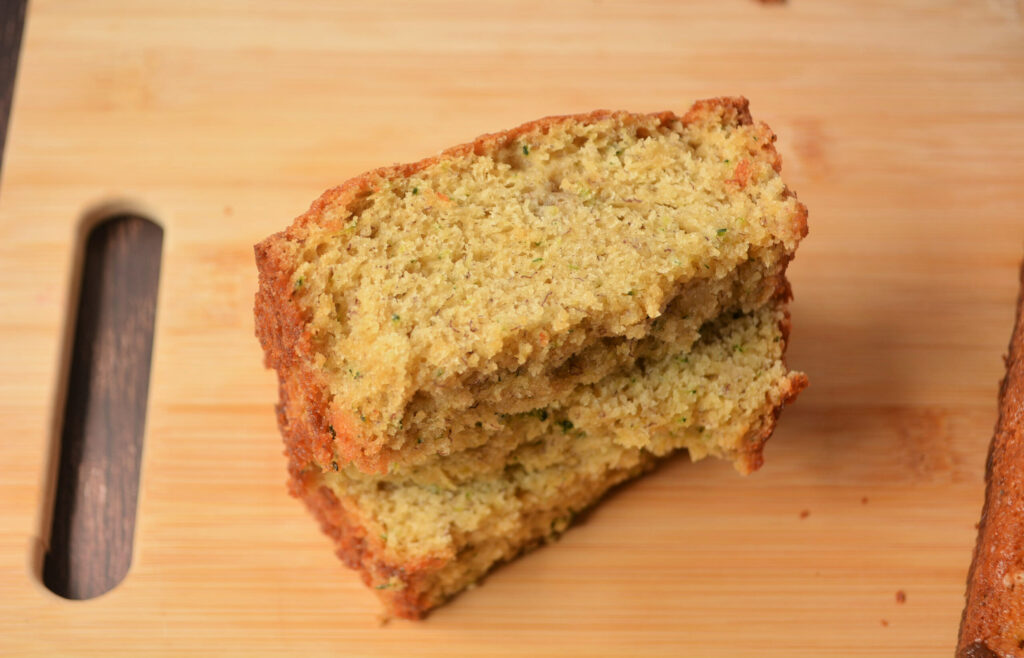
[
  {"x": 901, "y": 596},
  {"x": 493, "y": 338},
  {"x": 804, "y": 514}
]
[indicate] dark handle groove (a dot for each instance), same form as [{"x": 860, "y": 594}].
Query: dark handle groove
[
  {"x": 12, "y": 19},
  {"x": 90, "y": 546}
]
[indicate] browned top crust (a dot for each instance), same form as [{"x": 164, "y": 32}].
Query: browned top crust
[
  {"x": 993, "y": 620},
  {"x": 281, "y": 324},
  {"x": 729, "y": 110}
]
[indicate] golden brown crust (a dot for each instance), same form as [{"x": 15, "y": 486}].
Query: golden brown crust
[
  {"x": 407, "y": 590},
  {"x": 301, "y": 421},
  {"x": 281, "y": 324},
  {"x": 993, "y": 619},
  {"x": 401, "y": 587}
]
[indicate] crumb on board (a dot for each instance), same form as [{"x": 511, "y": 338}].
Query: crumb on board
[
  {"x": 885, "y": 622},
  {"x": 901, "y": 596},
  {"x": 805, "y": 513},
  {"x": 864, "y": 500}
]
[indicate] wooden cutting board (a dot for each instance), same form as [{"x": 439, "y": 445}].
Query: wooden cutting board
[{"x": 901, "y": 125}]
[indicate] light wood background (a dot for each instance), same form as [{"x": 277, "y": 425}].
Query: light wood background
[{"x": 901, "y": 126}]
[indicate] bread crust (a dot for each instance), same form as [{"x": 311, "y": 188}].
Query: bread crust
[
  {"x": 281, "y": 324},
  {"x": 400, "y": 586},
  {"x": 993, "y": 618}
]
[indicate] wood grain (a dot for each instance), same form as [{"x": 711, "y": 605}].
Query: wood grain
[
  {"x": 899, "y": 126},
  {"x": 90, "y": 543}
]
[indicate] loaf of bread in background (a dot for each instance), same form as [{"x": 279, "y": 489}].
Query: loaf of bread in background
[
  {"x": 993, "y": 619},
  {"x": 474, "y": 348}
]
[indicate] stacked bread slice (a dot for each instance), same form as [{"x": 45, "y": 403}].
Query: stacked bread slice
[{"x": 473, "y": 348}]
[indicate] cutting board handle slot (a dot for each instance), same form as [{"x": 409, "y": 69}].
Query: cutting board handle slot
[{"x": 104, "y": 408}]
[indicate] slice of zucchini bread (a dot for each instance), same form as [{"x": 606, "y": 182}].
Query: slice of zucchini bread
[
  {"x": 992, "y": 625},
  {"x": 474, "y": 347}
]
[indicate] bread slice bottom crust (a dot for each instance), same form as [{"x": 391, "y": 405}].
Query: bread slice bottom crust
[{"x": 410, "y": 589}]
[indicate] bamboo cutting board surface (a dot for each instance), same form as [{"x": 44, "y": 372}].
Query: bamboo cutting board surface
[{"x": 901, "y": 126}]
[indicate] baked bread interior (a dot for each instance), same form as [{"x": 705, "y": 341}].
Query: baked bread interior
[{"x": 473, "y": 348}]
